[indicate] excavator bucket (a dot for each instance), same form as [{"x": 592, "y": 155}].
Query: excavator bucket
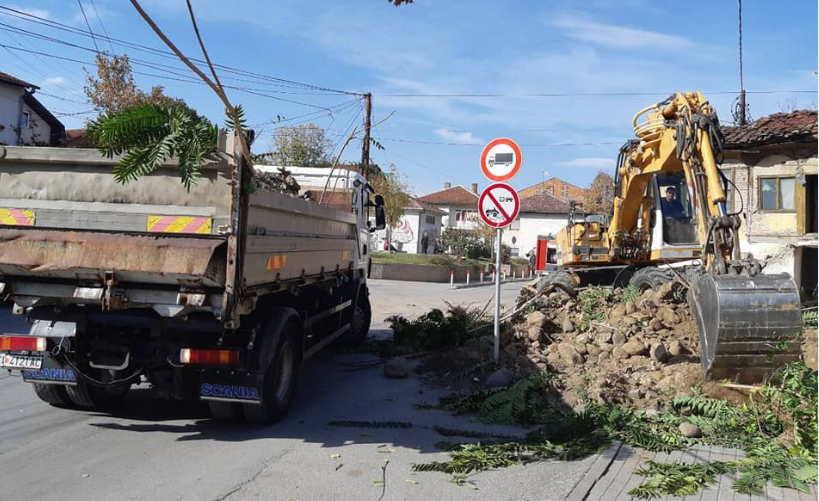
[{"x": 748, "y": 326}]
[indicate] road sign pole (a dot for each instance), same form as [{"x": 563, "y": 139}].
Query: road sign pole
[{"x": 496, "y": 351}]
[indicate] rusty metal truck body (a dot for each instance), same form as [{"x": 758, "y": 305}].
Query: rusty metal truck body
[{"x": 214, "y": 293}]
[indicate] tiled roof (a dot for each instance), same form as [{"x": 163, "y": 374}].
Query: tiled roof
[
  {"x": 415, "y": 204},
  {"x": 797, "y": 126},
  {"x": 543, "y": 203},
  {"x": 455, "y": 195},
  {"x": 5, "y": 77}
]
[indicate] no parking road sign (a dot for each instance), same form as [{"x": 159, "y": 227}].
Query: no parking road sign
[
  {"x": 501, "y": 159},
  {"x": 498, "y": 205}
]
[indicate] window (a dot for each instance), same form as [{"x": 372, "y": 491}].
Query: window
[
  {"x": 515, "y": 224},
  {"x": 550, "y": 190},
  {"x": 459, "y": 215},
  {"x": 430, "y": 219},
  {"x": 565, "y": 190},
  {"x": 514, "y": 251},
  {"x": 777, "y": 193},
  {"x": 25, "y": 120}
]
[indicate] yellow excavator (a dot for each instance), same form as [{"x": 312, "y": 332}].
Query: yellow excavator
[{"x": 669, "y": 209}]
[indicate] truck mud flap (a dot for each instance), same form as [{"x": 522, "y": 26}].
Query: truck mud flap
[
  {"x": 224, "y": 386},
  {"x": 52, "y": 372}
]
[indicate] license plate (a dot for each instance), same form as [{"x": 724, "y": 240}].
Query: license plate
[{"x": 20, "y": 362}]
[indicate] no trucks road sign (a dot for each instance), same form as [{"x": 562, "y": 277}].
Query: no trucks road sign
[
  {"x": 498, "y": 205},
  {"x": 501, "y": 160}
]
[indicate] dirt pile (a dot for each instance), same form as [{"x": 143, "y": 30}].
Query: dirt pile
[{"x": 610, "y": 346}]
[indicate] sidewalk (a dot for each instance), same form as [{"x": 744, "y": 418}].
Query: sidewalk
[{"x": 614, "y": 482}]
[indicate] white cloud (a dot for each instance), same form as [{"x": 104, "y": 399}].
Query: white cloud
[
  {"x": 458, "y": 137},
  {"x": 589, "y": 163},
  {"x": 53, "y": 81},
  {"x": 610, "y": 35},
  {"x": 34, "y": 12}
]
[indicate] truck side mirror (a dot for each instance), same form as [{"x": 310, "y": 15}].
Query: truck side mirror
[
  {"x": 380, "y": 215},
  {"x": 379, "y": 201}
]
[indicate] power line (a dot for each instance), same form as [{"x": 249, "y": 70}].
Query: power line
[
  {"x": 99, "y": 19},
  {"x": 481, "y": 145},
  {"x": 63, "y": 27},
  {"x": 79, "y": 2},
  {"x": 580, "y": 94}
]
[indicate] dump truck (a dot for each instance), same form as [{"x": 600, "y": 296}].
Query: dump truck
[{"x": 216, "y": 293}]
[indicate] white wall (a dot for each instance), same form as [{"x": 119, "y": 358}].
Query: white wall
[
  {"x": 433, "y": 230},
  {"x": 11, "y": 99},
  {"x": 38, "y": 132},
  {"x": 406, "y": 236},
  {"x": 532, "y": 225},
  {"x": 449, "y": 221}
]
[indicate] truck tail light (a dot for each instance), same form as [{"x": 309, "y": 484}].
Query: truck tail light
[
  {"x": 208, "y": 357},
  {"x": 23, "y": 343}
]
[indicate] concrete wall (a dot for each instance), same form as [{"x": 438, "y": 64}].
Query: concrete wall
[
  {"x": 531, "y": 225},
  {"x": 38, "y": 133},
  {"x": 11, "y": 101},
  {"x": 439, "y": 273}
]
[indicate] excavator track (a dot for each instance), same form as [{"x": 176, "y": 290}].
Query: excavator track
[{"x": 748, "y": 326}]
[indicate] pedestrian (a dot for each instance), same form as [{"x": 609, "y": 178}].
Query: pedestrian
[
  {"x": 532, "y": 260},
  {"x": 424, "y": 242}
]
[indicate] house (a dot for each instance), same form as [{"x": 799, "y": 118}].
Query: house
[
  {"x": 540, "y": 214},
  {"x": 419, "y": 217},
  {"x": 24, "y": 120},
  {"x": 555, "y": 187},
  {"x": 459, "y": 204},
  {"x": 772, "y": 162}
]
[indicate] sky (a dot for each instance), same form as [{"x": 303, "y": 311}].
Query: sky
[{"x": 562, "y": 78}]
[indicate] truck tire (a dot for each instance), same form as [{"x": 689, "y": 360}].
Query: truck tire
[
  {"x": 362, "y": 318},
  {"x": 86, "y": 395},
  {"x": 651, "y": 278},
  {"x": 53, "y": 394},
  {"x": 280, "y": 378}
]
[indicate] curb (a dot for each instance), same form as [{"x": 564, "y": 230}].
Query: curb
[
  {"x": 599, "y": 468},
  {"x": 486, "y": 284}
]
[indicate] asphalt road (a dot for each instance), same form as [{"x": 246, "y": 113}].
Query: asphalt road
[{"x": 157, "y": 450}]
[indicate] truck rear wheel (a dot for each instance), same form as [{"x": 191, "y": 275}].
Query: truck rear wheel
[
  {"x": 86, "y": 395},
  {"x": 280, "y": 379},
  {"x": 362, "y": 318},
  {"x": 53, "y": 394}
]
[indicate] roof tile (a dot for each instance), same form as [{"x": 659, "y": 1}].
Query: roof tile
[
  {"x": 455, "y": 195},
  {"x": 797, "y": 126}
]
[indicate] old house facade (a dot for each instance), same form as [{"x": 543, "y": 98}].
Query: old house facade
[
  {"x": 23, "y": 119},
  {"x": 406, "y": 236},
  {"x": 540, "y": 215},
  {"x": 555, "y": 187},
  {"x": 772, "y": 162},
  {"x": 459, "y": 205}
]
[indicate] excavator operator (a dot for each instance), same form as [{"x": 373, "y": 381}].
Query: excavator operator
[{"x": 671, "y": 205}]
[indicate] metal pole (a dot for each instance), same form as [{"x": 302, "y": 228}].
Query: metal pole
[
  {"x": 365, "y": 145},
  {"x": 496, "y": 351}
]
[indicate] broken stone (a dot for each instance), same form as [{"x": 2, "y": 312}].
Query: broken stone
[
  {"x": 617, "y": 353},
  {"x": 675, "y": 348},
  {"x": 618, "y": 338},
  {"x": 569, "y": 354},
  {"x": 501, "y": 378},
  {"x": 630, "y": 308},
  {"x": 641, "y": 317},
  {"x": 665, "y": 292},
  {"x": 553, "y": 357},
  {"x": 668, "y": 316},
  {"x": 593, "y": 350},
  {"x": 582, "y": 339},
  {"x": 533, "y": 333},
  {"x": 606, "y": 346},
  {"x": 603, "y": 336},
  {"x": 655, "y": 324},
  {"x": 568, "y": 326},
  {"x": 690, "y": 430},
  {"x": 581, "y": 348},
  {"x": 537, "y": 318},
  {"x": 635, "y": 394},
  {"x": 617, "y": 312},
  {"x": 397, "y": 368},
  {"x": 658, "y": 352},
  {"x": 634, "y": 348}
]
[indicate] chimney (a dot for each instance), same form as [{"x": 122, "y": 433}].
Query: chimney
[
  {"x": 475, "y": 188},
  {"x": 447, "y": 185}
]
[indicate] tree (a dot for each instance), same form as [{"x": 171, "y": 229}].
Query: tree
[
  {"x": 113, "y": 89},
  {"x": 304, "y": 145},
  {"x": 393, "y": 186},
  {"x": 599, "y": 197}
]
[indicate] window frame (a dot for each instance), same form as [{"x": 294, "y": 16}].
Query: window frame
[
  {"x": 778, "y": 209},
  {"x": 27, "y": 116}
]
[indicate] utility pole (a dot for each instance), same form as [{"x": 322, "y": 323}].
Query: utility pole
[{"x": 365, "y": 147}]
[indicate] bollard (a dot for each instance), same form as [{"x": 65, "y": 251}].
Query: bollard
[
  {"x": 468, "y": 273},
  {"x": 481, "y": 276},
  {"x": 451, "y": 277}
]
